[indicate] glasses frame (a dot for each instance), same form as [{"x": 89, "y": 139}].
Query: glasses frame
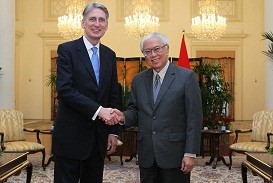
[{"x": 156, "y": 50}]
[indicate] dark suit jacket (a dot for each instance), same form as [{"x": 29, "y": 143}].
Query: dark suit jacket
[
  {"x": 79, "y": 98},
  {"x": 171, "y": 126}
]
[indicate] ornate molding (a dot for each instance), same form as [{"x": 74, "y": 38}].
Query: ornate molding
[
  {"x": 228, "y": 35},
  {"x": 18, "y": 6},
  {"x": 231, "y": 9},
  {"x": 51, "y": 35},
  {"x": 232, "y": 42},
  {"x": 160, "y": 8},
  {"x": 18, "y": 34},
  {"x": 53, "y": 9},
  {"x": 51, "y": 40}
]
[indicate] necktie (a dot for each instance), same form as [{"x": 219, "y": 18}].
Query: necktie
[
  {"x": 95, "y": 63},
  {"x": 157, "y": 85}
]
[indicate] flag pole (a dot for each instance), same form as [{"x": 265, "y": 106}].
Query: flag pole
[{"x": 183, "y": 60}]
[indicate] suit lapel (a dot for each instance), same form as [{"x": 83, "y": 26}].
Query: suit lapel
[
  {"x": 168, "y": 79},
  {"x": 149, "y": 86},
  {"x": 103, "y": 63},
  {"x": 84, "y": 57}
]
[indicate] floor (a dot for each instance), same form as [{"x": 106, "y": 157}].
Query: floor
[{"x": 202, "y": 173}]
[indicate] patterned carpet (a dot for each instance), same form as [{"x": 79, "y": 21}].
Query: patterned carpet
[{"x": 128, "y": 173}]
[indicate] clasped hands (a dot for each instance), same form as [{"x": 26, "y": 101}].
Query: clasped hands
[{"x": 111, "y": 116}]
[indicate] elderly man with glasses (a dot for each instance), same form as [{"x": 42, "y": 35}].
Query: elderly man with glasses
[{"x": 165, "y": 104}]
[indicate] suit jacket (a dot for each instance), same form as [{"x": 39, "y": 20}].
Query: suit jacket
[
  {"x": 171, "y": 126},
  {"x": 80, "y": 97}
]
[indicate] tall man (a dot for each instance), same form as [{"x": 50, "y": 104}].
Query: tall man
[
  {"x": 87, "y": 88},
  {"x": 165, "y": 104}
]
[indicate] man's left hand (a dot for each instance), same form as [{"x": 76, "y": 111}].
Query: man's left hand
[
  {"x": 112, "y": 144},
  {"x": 187, "y": 164}
]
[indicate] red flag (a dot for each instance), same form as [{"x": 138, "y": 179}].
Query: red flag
[{"x": 183, "y": 56}]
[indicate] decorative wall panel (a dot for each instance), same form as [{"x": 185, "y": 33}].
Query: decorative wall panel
[
  {"x": 231, "y": 9},
  {"x": 159, "y": 8},
  {"x": 53, "y": 9}
]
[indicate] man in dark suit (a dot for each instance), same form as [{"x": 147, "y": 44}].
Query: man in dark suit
[
  {"x": 87, "y": 89},
  {"x": 165, "y": 105}
]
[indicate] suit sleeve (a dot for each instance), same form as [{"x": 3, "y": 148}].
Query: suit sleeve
[
  {"x": 193, "y": 106},
  {"x": 131, "y": 113},
  {"x": 114, "y": 101}
]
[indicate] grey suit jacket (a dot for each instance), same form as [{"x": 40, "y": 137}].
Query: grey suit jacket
[{"x": 170, "y": 127}]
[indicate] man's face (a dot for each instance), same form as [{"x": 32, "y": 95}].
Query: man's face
[
  {"x": 156, "y": 53},
  {"x": 95, "y": 24}
]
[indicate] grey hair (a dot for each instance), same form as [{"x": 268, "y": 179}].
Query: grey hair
[
  {"x": 91, "y": 6},
  {"x": 158, "y": 35}
]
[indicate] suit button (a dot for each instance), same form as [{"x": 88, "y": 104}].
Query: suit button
[
  {"x": 154, "y": 117},
  {"x": 154, "y": 133}
]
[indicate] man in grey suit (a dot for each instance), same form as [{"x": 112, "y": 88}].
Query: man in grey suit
[{"x": 167, "y": 110}]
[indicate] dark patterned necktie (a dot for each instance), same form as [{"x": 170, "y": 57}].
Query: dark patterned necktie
[{"x": 156, "y": 87}]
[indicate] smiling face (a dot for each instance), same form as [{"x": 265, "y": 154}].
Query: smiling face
[
  {"x": 156, "y": 53},
  {"x": 95, "y": 24}
]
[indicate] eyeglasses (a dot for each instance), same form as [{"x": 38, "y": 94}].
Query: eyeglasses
[{"x": 157, "y": 49}]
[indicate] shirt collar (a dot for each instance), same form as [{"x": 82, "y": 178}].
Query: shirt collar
[
  {"x": 88, "y": 45},
  {"x": 163, "y": 71}
]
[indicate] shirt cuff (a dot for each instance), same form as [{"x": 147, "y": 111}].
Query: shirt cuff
[
  {"x": 190, "y": 155},
  {"x": 114, "y": 135},
  {"x": 122, "y": 123},
  {"x": 96, "y": 114}
]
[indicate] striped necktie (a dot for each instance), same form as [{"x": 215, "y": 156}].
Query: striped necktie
[
  {"x": 156, "y": 87},
  {"x": 96, "y": 63}
]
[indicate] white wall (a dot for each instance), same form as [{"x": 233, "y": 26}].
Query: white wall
[
  {"x": 268, "y": 62},
  {"x": 7, "y": 54}
]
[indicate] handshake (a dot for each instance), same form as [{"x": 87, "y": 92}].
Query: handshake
[{"x": 111, "y": 116}]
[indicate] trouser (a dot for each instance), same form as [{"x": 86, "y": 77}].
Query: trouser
[
  {"x": 155, "y": 174},
  {"x": 73, "y": 171}
]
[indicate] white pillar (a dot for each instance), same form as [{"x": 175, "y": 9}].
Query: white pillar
[
  {"x": 7, "y": 54},
  {"x": 268, "y": 63}
]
